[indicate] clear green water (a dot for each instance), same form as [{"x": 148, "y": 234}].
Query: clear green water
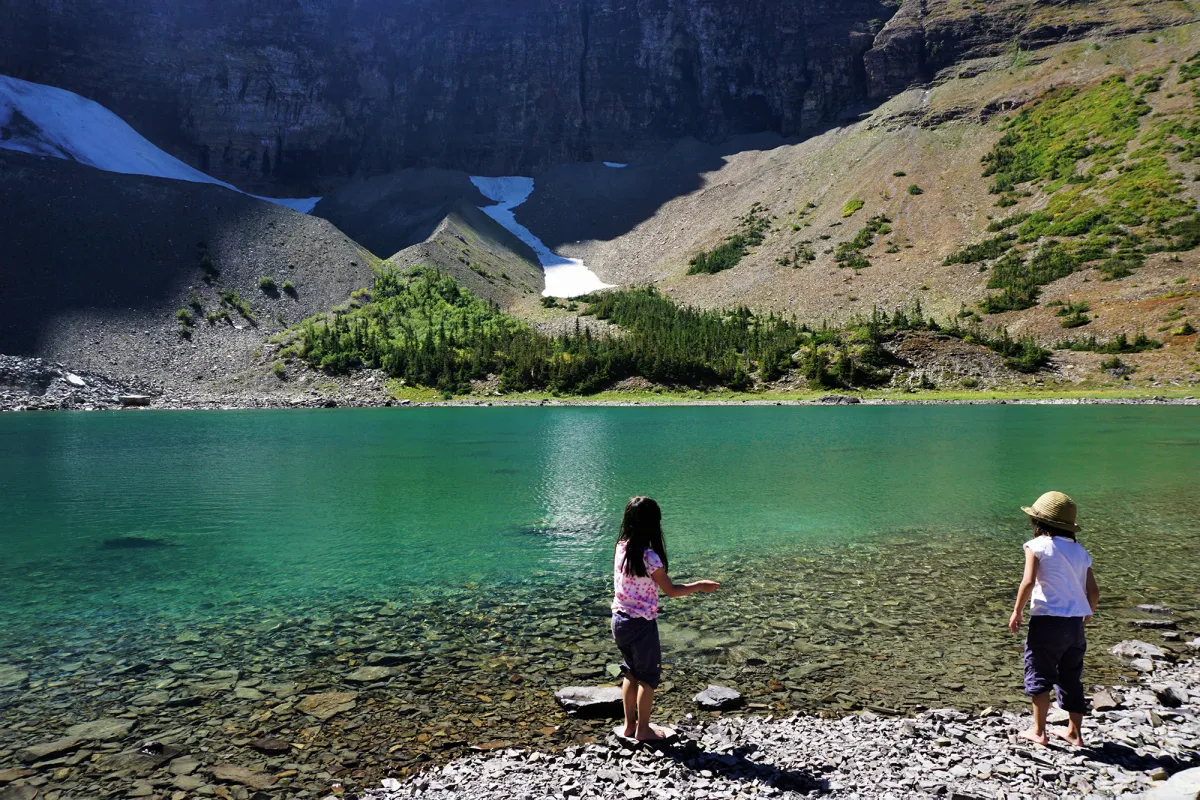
[{"x": 868, "y": 548}]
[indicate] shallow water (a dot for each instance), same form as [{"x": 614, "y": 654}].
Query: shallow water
[{"x": 869, "y": 555}]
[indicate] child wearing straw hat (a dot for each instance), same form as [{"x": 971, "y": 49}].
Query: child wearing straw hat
[{"x": 1063, "y": 594}]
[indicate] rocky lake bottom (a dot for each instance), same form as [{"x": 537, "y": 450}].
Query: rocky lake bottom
[{"x": 349, "y": 689}]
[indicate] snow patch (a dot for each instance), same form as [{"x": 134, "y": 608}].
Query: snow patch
[
  {"x": 615, "y": 165},
  {"x": 565, "y": 277},
  {"x": 47, "y": 121}
]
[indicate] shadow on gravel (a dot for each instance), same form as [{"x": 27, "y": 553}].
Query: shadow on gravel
[
  {"x": 1121, "y": 755},
  {"x": 738, "y": 765}
]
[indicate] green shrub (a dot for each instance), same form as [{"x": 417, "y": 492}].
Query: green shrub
[
  {"x": 233, "y": 299},
  {"x": 185, "y": 317},
  {"x": 852, "y": 207},
  {"x": 208, "y": 269},
  {"x": 913, "y": 189},
  {"x": 267, "y": 284},
  {"x": 1187, "y": 329},
  {"x": 752, "y": 229},
  {"x": 549, "y": 302},
  {"x": 899, "y": 174},
  {"x": 1120, "y": 343},
  {"x": 849, "y": 254},
  {"x": 983, "y": 251},
  {"x": 1114, "y": 364},
  {"x": 196, "y": 302},
  {"x": 279, "y": 369},
  {"x": 214, "y": 317},
  {"x": 289, "y": 289},
  {"x": 185, "y": 331}
]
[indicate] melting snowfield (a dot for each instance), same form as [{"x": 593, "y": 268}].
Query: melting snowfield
[
  {"x": 565, "y": 277},
  {"x": 47, "y": 121}
]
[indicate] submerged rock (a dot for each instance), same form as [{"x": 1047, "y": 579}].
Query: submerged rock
[
  {"x": 327, "y": 705},
  {"x": 590, "y": 701},
  {"x": 102, "y": 730},
  {"x": 246, "y": 777},
  {"x": 372, "y": 674},
  {"x": 11, "y": 676},
  {"x": 718, "y": 698},
  {"x": 39, "y": 752}
]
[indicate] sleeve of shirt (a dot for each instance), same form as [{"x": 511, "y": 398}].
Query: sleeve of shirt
[
  {"x": 1037, "y": 546},
  {"x": 653, "y": 562}
]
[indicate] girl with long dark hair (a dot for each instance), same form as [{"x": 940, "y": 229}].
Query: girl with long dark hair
[{"x": 639, "y": 571}]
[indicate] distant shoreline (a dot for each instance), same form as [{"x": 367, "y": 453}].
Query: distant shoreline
[{"x": 277, "y": 403}]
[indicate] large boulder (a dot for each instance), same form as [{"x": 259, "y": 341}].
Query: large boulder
[
  {"x": 1132, "y": 650},
  {"x": 590, "y": 701},
  {"x": 718, "y": 698},
  {"x": 1182, "y": 786}
]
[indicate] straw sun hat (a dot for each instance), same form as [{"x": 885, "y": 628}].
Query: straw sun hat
[{"x": 1055, "y": 509}]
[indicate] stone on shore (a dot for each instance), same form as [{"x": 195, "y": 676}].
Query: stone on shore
[
  {"x": 271, "y": 745},
  {"x": 590, "y": 701},
  {"x": 1133, "y": 649},
  {"x": 102, "y": 730},
  {"x": 25, "y": 792},
  {"x": 1169, "y": 696},
  {"x": 327, "y": 705},
  {"x": 718, "y": 698},
  {"x": 1195, "y": 643},
  {"x": 1105, "y": 700},
  {"x": 1182, "y": 786}
]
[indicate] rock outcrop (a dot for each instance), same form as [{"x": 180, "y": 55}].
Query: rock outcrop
[{"x": 302, "y": 95}]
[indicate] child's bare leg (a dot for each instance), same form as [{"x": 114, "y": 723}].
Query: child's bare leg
[
  {"x": 1073, "y": 733},
  {"x": 1041, "y": 709},
  {"x": 645, "y": 731},
  {"x": 629, "y": 699}
]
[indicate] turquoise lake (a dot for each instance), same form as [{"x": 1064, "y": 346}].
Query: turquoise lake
[{"x": 868, "y": 552}]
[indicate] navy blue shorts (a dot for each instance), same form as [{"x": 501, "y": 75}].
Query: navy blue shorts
[
  {"x": 637, "y": 639},
  {"x": 1054, "y": 650}
]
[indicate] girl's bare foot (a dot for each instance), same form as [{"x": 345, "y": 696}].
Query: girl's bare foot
[
  {"x": 629, "y": 731},
  {"x": 1033, "y": 736},
  {"x": 653, "y": 734},
  {"x": 1074, "y": 738}
]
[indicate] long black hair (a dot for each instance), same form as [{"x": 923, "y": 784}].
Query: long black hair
[
  {"x": 1041, "y": 528},
  {"x": 641, "y": 527}
]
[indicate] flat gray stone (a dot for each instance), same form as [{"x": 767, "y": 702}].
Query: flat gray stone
[
  {"x": 1104, "y": 700},
  {"x": 1151, "y": 608},
  {"x": 718, "y": 698},
  {"x": 246, "y": 777},
  {"x": 1155, "y": 624},
  {"x": 39, "y": 752},
  {"x": 1133, "y": 649},
  {"x": 591, "y": 701},
  {"x": 1181, "y": 786},
  {"x": 102, "y": 730},
  {"x": 12, "y": 676},
  {"x": 372, "y": 674},
  {"x": 327, "y": 705}
]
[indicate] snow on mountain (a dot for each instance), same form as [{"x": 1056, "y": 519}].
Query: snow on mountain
[
  {"x": 565, "y": 277},
  {"x": 47, "y": 121}
]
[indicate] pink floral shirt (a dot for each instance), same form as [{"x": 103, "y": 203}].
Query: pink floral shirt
[{"x": 634, "y": 596}]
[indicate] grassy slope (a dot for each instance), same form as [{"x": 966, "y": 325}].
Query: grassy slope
[{"x": 937, "y": 137}]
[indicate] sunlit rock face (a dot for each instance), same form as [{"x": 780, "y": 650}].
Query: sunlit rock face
[{"x": 298, "y": 94}]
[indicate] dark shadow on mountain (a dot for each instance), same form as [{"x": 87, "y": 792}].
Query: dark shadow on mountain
[
  {"x": 95, "y": 258},
  {"x": 577, "y": 202},
  {"x": 388, "y": 213}
]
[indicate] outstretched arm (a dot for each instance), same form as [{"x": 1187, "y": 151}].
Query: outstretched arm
[
  {"x": 672, "y": 589},
  {"x": 1024, "y": 592}
]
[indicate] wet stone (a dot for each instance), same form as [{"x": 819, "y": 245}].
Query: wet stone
[
  {"x": 102, "y": 730},
  {"x": 327, "y": 705},
  {"x": 240, "y": 775},
  {"x": 1133, "y": 649},
  {"x": 718, "y": 698},
  {"x": 590, "y": 701},
  {"x": 372, "y": 674},
  {"x": 11, "y": 676},
  {"x": 1155, "y": 624},
  {"x": 40, "y": 752},
  {"x": 271, "y": 745}
]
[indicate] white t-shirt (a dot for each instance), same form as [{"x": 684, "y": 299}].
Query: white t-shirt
[{"x": 1060, "y": 589}]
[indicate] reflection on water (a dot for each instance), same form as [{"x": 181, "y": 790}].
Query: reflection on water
[{"x": 576, "y": 473}]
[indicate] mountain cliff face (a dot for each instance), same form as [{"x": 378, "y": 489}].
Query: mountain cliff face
[{"x": 301, "y": 93}]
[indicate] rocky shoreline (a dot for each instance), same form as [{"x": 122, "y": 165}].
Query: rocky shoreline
[{"x": 1138, "y": 738}]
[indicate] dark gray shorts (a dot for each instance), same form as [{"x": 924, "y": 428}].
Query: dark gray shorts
[
  {"x": 637, "y": 639},
  {"x": 1054, "y": 650}
]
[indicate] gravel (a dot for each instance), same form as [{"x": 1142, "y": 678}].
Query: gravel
[{"x": 939, "y": 753}]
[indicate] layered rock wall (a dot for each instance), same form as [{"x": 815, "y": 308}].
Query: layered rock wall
[{"x": 299, "y": 94}]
